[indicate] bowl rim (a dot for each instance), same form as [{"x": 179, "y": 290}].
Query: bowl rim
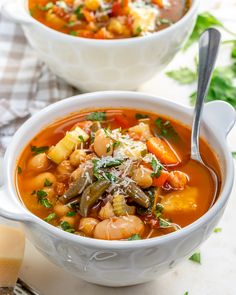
[
  {"x": 114, "y": 42},
  {"x": 105, "y": 244}
]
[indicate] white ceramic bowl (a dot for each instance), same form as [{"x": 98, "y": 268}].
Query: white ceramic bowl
[
  {"x": 92, "y": 65},
  {"x": 119, "y": 263}
]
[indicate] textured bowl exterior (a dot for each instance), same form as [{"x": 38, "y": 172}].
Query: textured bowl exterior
[
  {"x": 119, "y": 263},
  {"x": 92, "y": 65}
]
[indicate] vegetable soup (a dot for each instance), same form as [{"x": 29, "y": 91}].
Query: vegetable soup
[
  {"x": 116, "y": 174},
  {"x": 108, "y": 19}
]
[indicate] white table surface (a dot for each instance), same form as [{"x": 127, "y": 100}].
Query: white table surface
[{"x": 217, "y": 273}]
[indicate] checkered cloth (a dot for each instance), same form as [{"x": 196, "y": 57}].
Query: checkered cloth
[{"x": 26, "y": 84}]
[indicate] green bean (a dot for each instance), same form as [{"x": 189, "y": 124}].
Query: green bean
[
  {"x": 77, "y": 187},
  {"x": 137, "y": 195},
  {"x": 91, "y": 194}
]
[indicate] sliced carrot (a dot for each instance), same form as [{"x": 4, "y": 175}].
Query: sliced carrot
[
  {"x": 159, "y": 3},
  {"x": 160, "y": 181},
  {"x": 89, "y": 16},
  {"x": 163, "y": 151}
]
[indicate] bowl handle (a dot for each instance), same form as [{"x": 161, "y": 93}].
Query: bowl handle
[
  {"x": 221, "y": 115},
  {"x": 8, "y": 209},
  {"x": 15, "y": 12}
]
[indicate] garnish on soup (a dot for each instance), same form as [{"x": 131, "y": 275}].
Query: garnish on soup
[
  {"x": 115, "y": 175},
  {"x": 108, "y": 19}
]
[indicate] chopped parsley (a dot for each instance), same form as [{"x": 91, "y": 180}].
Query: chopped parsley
[
  {"x": 46, "y": 7},
  {"x": 73, "y": 33},
  {"x": 96, "y": 116},
  {"x": 78, "y": 12},
  {"x": 164, "y": 223},
  {"x": 116, "y": 144},
  {"x": 108, "y": 148},
  {"x": 38, "y": 150},
  {"x": 217, "y": 230},
  {"x": 156, "y": 166},
  {"x": 196, "y": 257},
  {"x": 50, "y": 217},
  {"x": 159, "y": 210},
  {"x": 66, "y": 227},
  {"x": 134, "y": 237},
  {"x": 139, "y": 116},
  {"x": 109, "y": 176},
  {"x": 47, "y": 183},
  {"x": 71, "y": 214},
  {"x": 19, "y": 170},
  {"x": 138, "y": 31},
  {"x": 81, "y": 138},
  {"x": 42, "y": 199},
  {"x": 165, "y": 128}
]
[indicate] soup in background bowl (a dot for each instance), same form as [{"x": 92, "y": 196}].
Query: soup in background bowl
[
  {"x": 131, "y": 260},
  {"x": 115, "y": 174},
  {"x": 108, "y": 19},
  {"x": 104, "y": 64}
]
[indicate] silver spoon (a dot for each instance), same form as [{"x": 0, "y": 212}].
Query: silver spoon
[{"x": 208, "y": 49}]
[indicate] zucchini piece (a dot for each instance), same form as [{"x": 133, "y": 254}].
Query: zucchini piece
[{"x": 66, "y": 145}]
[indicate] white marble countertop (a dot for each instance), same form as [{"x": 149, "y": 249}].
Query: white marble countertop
[{"x": 217, "y": 273}]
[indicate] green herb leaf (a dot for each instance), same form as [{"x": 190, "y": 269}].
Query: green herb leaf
[
  {"x": 217, "y": 230},
  {"x": 233, "y": 51},
  {"x": 97, "y": 116},
  {"x": 134, "y": 237},
  {"x": 50, "y": 217},
  {"x": 81, "y": 138},
  {"x": 222, "y": 86},
  {"x": 183, "y": 75},
  {"x": 163, "y": 223},
  {"x": 186, "y": 293},
  {"x": 48, "y": 6},
  {"x": 204, "y": 21},
  {"x": 234, "y": 154},
  {"x": 156, "y": 167},
  {"x": 165, "y": 128},
  {"x": 71, "y": 214},
  {"x": 38, "y": 150},
  {"x": 138, "y": 31},
  {"x": 109, "y": 176},
  {"x": 108, "y": 148},
  {"x": 19, "y": 170},
  {"x": 159, "y": 210},
  {"x": 116, "y": 144},
  {"x": 78, "y": 12},
  {"x": 47, "y": 182},
  {"x": 42, "y": 199},
  {"x": 139, "y": 116},
  {"x": 196, "y": 257},
  {"x": 73, "y": 33},
  {"x": 66, "y": 227}
]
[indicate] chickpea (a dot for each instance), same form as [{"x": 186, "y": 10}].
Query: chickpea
[
  {"x": 178, "y": 179},
  {"x": 142, "y": 176},
  {"x": 87, "y": 225},
  {"x": 38, "y": 181},
  {"x": 118, "y": 228},
  {"x": 115, "y": 26},
  {"x": 103, "y": 145},
  {"x": 39, "y": 163},
  {"x": 72, "y": 220},
  {"x": 77, "y": 157},
  {"x": 92, "y": 4},
  {"x": 106, "y": 211},
  {"x": 65, "y": 167},
  {"x": 61, "y": 209}
]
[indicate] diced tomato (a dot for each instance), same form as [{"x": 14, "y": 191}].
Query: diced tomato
[
  {"x": 159, "y": 3},
  {"x": 163, "y": 151},
  {"x": 160, "y": 181},
  {"x": 122, "y": 121},
  {"x": 119, "y": 7}
]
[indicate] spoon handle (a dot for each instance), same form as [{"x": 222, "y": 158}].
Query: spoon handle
[{"x": 208, "y": 49}]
